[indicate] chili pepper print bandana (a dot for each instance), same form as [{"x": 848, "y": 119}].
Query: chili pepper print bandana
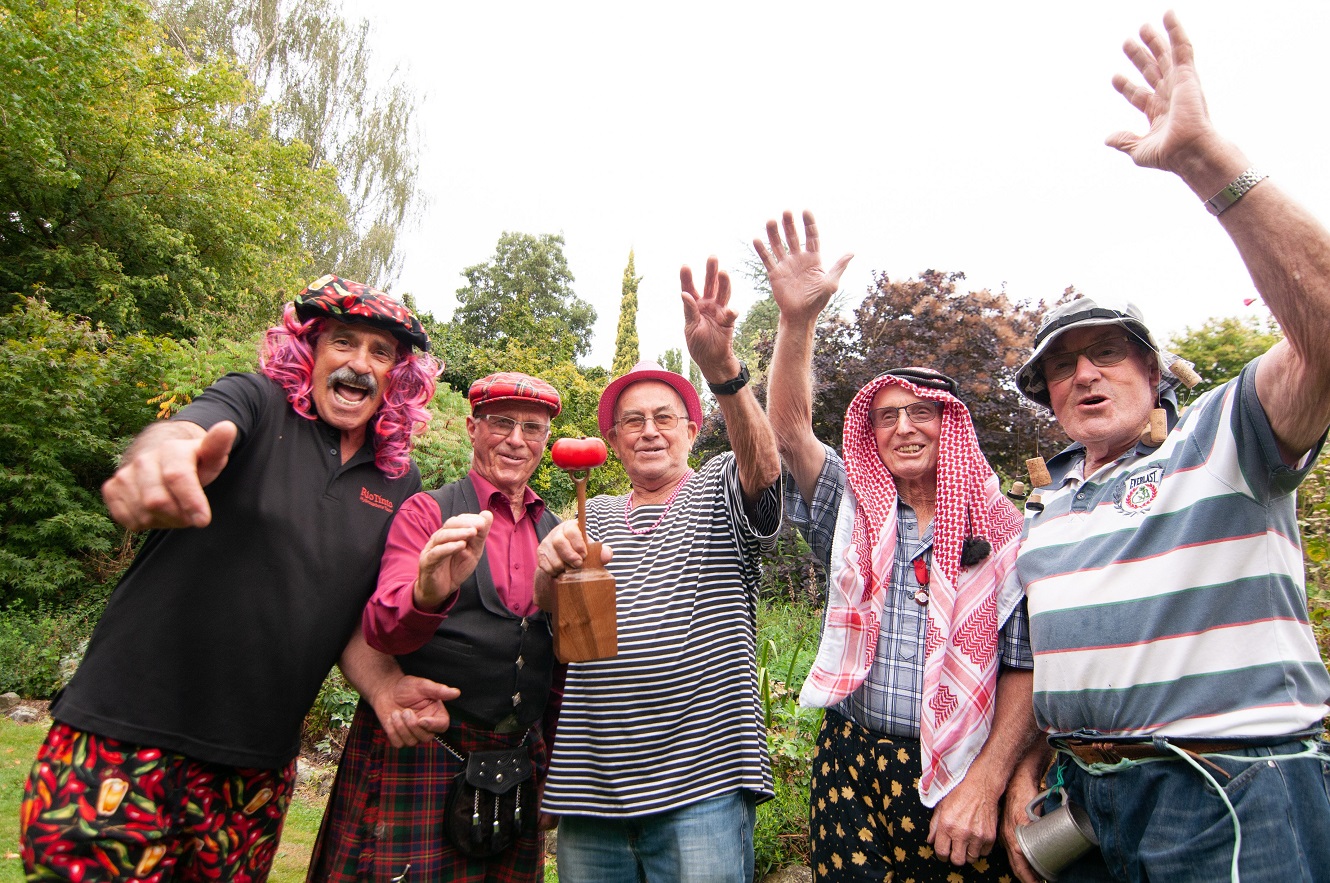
[
  {"x": 965, "y": 608},
  {"x": 357, "y": 302}
]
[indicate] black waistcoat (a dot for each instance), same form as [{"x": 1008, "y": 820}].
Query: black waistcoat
[{"x": 500, "y": 661}]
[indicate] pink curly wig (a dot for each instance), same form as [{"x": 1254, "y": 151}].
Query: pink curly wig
[{"x": 288, "y": 359}]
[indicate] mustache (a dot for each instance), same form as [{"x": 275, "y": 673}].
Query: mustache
[{"x": 345, "y": 376}]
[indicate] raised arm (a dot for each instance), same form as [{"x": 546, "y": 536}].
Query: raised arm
[
  {"x": 1286, "y": 250},
  {"x": 801, "y": 288},
  {"x": 709, "y": 333},
  {"x": 161, "y": 478}
]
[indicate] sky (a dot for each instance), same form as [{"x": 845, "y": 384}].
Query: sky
[{"x": 957, "y": 136}]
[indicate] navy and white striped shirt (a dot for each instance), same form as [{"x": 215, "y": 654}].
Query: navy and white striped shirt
[{"x": 674, "y": 718}]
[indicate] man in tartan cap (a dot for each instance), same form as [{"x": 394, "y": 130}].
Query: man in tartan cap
[{"x": 454, "y": 604}]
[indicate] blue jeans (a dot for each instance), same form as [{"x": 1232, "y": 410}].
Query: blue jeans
[
  {"x": 710, "y": 841},
  {"x": 1161, "y": 820}
]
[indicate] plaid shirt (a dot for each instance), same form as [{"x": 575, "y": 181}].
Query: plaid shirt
[{"x": 889, "y": 699}]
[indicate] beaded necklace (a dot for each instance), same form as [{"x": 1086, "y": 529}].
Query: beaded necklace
[{"x": 666, "y": 511}]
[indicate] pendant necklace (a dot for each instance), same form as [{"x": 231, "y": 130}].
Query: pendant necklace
[
  {"x": 921, "y": 576},
  {"x": 666, "y": 511}
]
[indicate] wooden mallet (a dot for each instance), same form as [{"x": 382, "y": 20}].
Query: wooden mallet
[{"x": 584, "y": 612}]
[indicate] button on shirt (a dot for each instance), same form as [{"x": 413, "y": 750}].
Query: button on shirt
[{"x": 511, "y": 545}]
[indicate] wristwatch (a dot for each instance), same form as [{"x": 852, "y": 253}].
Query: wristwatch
[
  {"x": 1235, "y": 191},
  {"x": 730, "y": 387}
]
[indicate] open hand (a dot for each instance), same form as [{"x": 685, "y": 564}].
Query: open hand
[
  {"x": 708, "y": 327},
  {"x": 1171, "y": 99},
  {"x": 800, "y": 286}
]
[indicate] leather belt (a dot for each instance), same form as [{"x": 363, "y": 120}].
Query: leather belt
[{"x": 1091, "y": 751}]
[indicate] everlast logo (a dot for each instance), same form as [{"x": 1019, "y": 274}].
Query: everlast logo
[
  {"x": 1139, "y": 491},
  {"x": 375, "y": 500}
]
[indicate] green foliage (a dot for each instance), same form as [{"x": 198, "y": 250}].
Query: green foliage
[
  {"x": 443, "y": 453},
  {"x": 329, "y": 718},
  {"x": 310, "y": 74},
  {"x": 671, "y": 360},
  {"x": 1314, "y": 525},
  {"x": 791, "y": 574},
  {"x": 520, "y": 300},
  {"x": 625, "y": 344},
  {"x": 1221, "y": 347},
  {"x": 787, "y": 641},
  {"x": 979, "y": 337},
  {"x": 128, "y": 193},
  {"x": 756, "y": 327},
  {"x": 74, "y": 394},
  {"x": 35, "y": 642}
]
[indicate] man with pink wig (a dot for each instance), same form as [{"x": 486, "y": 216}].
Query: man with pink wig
[{"x": 268, "y": 499}]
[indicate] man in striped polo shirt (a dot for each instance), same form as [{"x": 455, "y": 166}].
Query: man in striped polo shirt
[
  {"x": 660, "y": 755},
  {"x": 1175, "y": 667}
]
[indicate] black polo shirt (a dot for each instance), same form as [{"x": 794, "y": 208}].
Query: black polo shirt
[{"x": 216, "y": 641}]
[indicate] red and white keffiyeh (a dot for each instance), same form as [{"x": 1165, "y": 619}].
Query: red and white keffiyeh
[{"x": 965, "y": 607}]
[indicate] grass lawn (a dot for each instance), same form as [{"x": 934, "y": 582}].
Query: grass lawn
[{"x": 18, "y": 748}]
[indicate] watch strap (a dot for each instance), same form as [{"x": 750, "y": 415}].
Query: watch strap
[
  {"x": 730, "y": 387},
  {"x": 1235, "y": 191}
]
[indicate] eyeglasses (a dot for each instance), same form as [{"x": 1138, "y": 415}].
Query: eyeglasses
[
  {"x": 918, "y": 412},
  {"x": 635, "y": 423},
  {"x": 503, "y": 426},
  {"x": 1101, "y": 354}
]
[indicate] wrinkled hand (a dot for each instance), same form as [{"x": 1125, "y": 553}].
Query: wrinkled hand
[
  {"x": 800, "y": 286},
  {"x": 708, "y": 323},
  {"x": 1171, "y": 99},
  {"x": 160, "y": 484},
  {"x": 563, "y": 548},
  {"x": 964, "y": 824},
  {"x": 411, "y": 711},
  {"x": 1020, "y": 791},
  {"x": 449, "y": 557}
]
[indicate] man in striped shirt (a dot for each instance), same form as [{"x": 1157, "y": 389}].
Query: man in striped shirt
[
  {"x": 1175, "y": 667},
  {"x": 660, "y": 755}
]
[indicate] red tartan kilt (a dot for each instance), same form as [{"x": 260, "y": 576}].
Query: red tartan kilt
[{"x": 387, "y": 805}]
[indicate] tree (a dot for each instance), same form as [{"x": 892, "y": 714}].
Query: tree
[
  {"x": 672, "y": 360},
  {"x": 1221, "y": 347},
  {"x": 524, "y": 296},
  {"x": 127, "y": 195},
  {"x": 979, "y": 338},
  {"x": 311, "y": 71},
  {"x": 73, "y": 395},
  {"x": 758, "y": 326},
  {"x": 625, "y": 344}
]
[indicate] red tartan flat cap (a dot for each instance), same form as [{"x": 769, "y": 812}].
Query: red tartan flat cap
[
  {"x": 349, "y": 301},
  {"x": 512, "y": 386}
]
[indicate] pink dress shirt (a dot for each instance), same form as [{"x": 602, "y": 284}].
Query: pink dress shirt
[{"x": 392, "y": 622}]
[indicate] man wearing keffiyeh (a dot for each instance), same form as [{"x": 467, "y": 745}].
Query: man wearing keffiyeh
[{"x": 924, "y": 664}]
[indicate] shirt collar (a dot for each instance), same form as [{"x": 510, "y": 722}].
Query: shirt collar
[{"x": 486, "y": 492}]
